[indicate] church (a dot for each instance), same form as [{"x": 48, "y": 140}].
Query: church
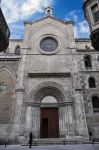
[{"x": 49, "y": 84}]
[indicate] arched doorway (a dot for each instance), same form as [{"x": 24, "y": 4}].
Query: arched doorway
[
  {"x": 46, "y": 98},
  {"x": 49, "y": 119}
]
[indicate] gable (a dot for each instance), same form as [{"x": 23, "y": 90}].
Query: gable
[
  {"x": 49, "y": 27},
  {"x": 51, "y": 18}
]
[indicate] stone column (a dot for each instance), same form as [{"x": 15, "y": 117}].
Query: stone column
[
  {"x": 29, "y": 119},
  {"x": 81, "y": 125},
  {"x": 66, "y": 121},
  {"x": 81, "y": 129},
  {"x": 36, "y": 121},
  {"x": 70, "y": 126},
  {"x": 20, "y": 89},
  {"x": 62, "y": 122},
  {"x": 19, "y": 95}
]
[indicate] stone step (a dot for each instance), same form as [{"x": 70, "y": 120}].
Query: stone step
[{"x": 39, "y": 142}]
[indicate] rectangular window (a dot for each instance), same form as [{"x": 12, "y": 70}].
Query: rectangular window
[{"x": 95, "y": 12}]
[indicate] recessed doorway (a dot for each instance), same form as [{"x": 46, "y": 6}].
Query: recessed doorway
[
  {"x": 49, "y": 127},
  {"x": 44, "y": 127}
]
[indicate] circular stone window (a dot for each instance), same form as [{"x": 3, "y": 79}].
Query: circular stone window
[{"x": 48, "y": 44}]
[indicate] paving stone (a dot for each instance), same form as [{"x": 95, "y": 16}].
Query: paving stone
[{"x": 55, "y": 147}]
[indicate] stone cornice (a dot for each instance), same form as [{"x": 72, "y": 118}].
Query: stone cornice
[
  {"x": 63, "y": 104},
  {"x": 85, "y": 50},
  {"x": 20, "y": 90},
  {"x": 9, "y": 58},
  {"x": 89, "y": 71},
  {"x": 16, "y": 40},
  {"x": 82, "y": 40},
  {"x": 49, "y": 75}
]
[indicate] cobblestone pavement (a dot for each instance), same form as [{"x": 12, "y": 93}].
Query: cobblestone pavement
[{"x": 55, "y": 147}]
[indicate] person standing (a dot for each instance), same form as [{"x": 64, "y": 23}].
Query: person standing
[{"x": 30, "y": 139}]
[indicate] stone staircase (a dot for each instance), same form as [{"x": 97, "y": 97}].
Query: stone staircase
[{"x": 55, "y": 141}]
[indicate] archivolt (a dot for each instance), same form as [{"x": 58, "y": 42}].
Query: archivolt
[{"x": 48, "y": 89}]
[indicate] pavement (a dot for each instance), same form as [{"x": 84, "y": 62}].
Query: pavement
[{"x": 53, "y": 147}]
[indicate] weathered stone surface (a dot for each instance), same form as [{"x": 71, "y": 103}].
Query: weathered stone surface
[{"x": 60, "y": 74}]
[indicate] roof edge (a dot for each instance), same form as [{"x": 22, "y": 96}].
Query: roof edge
[
  {"x": 82, "y": 39},
  {"x": 63, "y": 21},
  {"x": 16, "y": 39}
]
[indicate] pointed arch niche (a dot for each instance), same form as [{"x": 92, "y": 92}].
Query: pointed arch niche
[{"x": 6, "y": 95}]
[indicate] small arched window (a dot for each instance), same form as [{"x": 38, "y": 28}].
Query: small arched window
[
  {"x": 48, "y": 12},
  {"x": 18, "y": 50},
  {"x": 87, "y": 60},
  {"x": 95, "y": 103},
  {"x": 92, "y": 83}
]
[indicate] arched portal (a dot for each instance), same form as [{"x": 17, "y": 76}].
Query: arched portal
[{"x": 49, "y": 104}]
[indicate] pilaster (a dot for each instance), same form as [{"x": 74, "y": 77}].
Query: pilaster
[
  {"x": 81, "y": 130},
  {"x": 19, "y": 95},
  {"x": 36, "y": 122},
  {"x": 28, "y": 119},
  {"x": 66, "y": 121}
]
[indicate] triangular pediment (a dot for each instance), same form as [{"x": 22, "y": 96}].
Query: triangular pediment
[{"x": 53, "y": 18}]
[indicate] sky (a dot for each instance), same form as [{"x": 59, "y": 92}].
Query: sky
[{"x": 17, "y": 12}]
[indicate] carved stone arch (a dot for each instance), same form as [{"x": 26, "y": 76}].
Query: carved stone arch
[
  {"x": 10, "y": 71},
  {"x": 48, "y": 89},
  {"x": 92, "y": 95},
  {"x": 94, "y": 99},
  {"x": 89, "y": 98}
]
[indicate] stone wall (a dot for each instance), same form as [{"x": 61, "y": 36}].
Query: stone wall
[{"x": 35, "y": 74}]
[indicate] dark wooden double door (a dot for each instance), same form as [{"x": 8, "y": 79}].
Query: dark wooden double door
[{"x": 49, "y": 123}]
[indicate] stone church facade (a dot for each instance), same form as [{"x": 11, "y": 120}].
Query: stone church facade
[{"x": 49, "y": 84}]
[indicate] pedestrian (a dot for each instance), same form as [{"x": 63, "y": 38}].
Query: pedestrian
[
  {"x": 91, "y": 137},
  {"x": 30, "y": 139},
  {"x": 93, "y": 140},
  {"x": 6, "y": 143}
]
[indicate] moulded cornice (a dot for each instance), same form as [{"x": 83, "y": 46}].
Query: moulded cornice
[
  {"x": 9, "y": 58},
  {"x": 49, "y": 75},
  {"x": 82, "y": 40},
  {"x": 33, "y": 104}
]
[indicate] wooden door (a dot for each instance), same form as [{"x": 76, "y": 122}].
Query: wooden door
[
  {"x": 45, "y": 127},
  {"x": 49, "y": 123}
]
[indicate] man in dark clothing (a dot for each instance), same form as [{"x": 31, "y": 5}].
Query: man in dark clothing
[
  {"x": 30, "y": 139},
  {"x": 91, "y": 137}
]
